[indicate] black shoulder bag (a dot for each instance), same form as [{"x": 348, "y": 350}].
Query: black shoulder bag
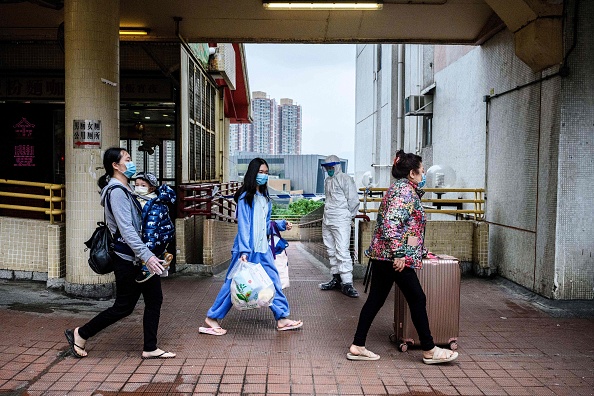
[{"x": 101, "y": 243}]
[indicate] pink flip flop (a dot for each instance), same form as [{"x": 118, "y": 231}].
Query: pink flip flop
[
  {"x": 295, "y": 325},
  {"x": 215, "y": 331}
]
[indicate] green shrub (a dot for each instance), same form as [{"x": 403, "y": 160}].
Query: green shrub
[{"x": 298, "y": 208}]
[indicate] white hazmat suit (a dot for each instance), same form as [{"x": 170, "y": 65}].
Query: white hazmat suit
[{"x": 342, "y": 203}]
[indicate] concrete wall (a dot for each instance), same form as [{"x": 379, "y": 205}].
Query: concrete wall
[
  {"x": 574, "y": 234},
  {"x": 32, "y": 249},
  {"x": 203, "y": 245}
]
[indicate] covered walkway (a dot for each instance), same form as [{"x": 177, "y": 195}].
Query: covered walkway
[{"x": 511, "y": 343}]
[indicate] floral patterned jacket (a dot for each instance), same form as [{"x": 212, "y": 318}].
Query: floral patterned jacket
[{"x": 400, "y": 228}]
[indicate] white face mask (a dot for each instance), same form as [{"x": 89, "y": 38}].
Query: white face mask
[{"x": 141, "y": 190}]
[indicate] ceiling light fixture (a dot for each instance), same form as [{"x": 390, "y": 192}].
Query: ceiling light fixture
[
  {"x": 134, "y": 31},
  {"x": 322, "y": 5}
]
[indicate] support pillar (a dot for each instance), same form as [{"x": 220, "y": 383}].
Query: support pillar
[
  {"x": 537, "y": 27},
  {"x": 91, "y": 29}
]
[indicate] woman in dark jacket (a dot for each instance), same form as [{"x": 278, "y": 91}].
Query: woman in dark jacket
[
  {"x": 122, "y": 214},
  {"x": 397, "y": 248}
]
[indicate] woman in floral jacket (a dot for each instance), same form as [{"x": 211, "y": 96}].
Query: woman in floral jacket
[{"x": 397, "y": 249}]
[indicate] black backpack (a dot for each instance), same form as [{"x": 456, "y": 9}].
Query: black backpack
[{"x": 101, "y": 243}]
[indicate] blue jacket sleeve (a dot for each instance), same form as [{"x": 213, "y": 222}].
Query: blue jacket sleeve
[
  {"x": 244, "y": 227},
  {"x": 281, "y": 224}
]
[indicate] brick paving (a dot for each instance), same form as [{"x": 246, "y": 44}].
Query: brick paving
[{"x": 509, "y": 345}]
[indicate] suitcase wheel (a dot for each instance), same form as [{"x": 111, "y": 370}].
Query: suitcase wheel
[
  {"x": 403, "y": 347},
  {"x": 453, "y": 345},
  {"x": 392, "y": 337}
]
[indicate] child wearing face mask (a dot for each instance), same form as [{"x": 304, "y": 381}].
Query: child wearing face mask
[{"x": 157, "y": 227}]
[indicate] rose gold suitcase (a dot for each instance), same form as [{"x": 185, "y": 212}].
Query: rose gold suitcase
[{"x": 440, "y": 279}]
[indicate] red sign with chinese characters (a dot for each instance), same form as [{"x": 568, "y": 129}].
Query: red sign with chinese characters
[{"x": 24, "y": 154}]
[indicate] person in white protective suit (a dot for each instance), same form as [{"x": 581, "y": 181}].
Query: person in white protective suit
[{"x": 341, "y": 207}]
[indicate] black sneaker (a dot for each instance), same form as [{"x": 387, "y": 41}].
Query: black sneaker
[
  {"x": 144, "y": 276},
  {"x": 349, "y": 290},
  {"x": 333, "y": 283}
]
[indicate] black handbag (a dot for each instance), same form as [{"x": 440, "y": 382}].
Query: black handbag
[
  {"x": 101, "y": 248},
  {"x": 101, "y": 243}
]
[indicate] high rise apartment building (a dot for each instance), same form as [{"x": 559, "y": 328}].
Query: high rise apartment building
[
  {"x": 289, "y": 127},
  {"x": 276, "y": 129}
]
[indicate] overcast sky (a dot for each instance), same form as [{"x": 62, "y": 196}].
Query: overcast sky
[{"x": 319, "y": 77}]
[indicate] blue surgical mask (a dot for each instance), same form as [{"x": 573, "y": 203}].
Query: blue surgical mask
[
  {"x": 130, "y": 169},
  {"x": 331, "y": 172},
  {"x": 261, "y": 178},
  {"x": 422, "y": 182}
]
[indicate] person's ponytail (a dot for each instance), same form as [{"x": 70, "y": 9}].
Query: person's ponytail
[
  {"x": 102, "y": 182},
  {"x": 112, "y": 154}
]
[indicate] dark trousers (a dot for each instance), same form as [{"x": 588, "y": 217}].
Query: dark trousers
[
  {"x": 382, "y": 278},
  {"x": 127, "y": 294}
]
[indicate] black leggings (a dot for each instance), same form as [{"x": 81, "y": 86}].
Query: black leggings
[
  {"x": 383, "y": 276},
  {"x": 128, "y": 292}
]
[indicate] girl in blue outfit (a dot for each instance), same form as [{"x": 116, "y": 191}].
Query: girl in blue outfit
[{"x": 251, "y": 244}]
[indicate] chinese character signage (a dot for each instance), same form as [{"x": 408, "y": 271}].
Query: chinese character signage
[
  {"x": 32, "y": 88},
  {"x": 87, "y": 134},
  {"x": 29, "y": 141},
  {"x": 54, "y": 88},
  {"x": 24, "y": 155}
]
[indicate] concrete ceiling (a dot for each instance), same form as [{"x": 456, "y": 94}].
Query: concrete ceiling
[{"x": 412, "y": 21}]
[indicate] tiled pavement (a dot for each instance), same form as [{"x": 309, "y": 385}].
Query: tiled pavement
[{"x": 510, "y": 344}]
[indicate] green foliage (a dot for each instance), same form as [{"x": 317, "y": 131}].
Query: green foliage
[{"x": 298, "y": 208}]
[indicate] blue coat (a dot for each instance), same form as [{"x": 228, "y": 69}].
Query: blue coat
[
  {"x": 157, "y": 227},
  {"x": 244, "y": 244}
]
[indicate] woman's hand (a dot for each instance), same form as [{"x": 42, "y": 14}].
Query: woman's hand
[
  {"x": 243, "y": 258},
  {"x": 155, "y": 265},
  {"x": 399, "y": 264},
  {"x": 289, "y": 225}
]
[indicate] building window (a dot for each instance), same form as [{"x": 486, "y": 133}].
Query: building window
[
  {"x": 427, "y": 130},
  {"x": 202, "y": 105}
]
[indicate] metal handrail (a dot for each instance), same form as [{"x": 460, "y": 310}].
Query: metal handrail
[
  {"x": 478, "y": 202},
  {"x": 52, "y": 198},
  {"x": 199, "y": 200}
]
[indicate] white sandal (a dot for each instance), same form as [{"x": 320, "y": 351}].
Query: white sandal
[
  {"x": 364, "y": 354},
  {"x": 440, "y": 355}
]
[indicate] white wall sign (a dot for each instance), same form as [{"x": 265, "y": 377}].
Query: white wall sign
[{"x": 87, "y": 134}]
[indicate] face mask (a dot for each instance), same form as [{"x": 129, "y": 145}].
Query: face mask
[
  {"x": 130, "y": 169},
  {"x": 422, "y": 182},
  {"x": 261, "y": 179},
  {"x": 141, "y": 190},
  {"x": 331, "y": 173}
]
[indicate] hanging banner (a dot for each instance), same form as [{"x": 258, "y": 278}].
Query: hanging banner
[{"x": 87, "y": 134}]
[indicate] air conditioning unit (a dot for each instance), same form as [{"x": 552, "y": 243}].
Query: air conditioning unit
[
  {"x": 418, "y": 105},
  {"x": 222, "y": 64}
]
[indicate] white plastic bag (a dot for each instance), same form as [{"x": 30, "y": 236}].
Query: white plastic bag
[
  {"x": 281, "y": 262},
  {"x": 251, "y": 287}
]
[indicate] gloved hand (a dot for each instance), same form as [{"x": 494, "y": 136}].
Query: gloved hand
[{"x": 155, "y": 265}]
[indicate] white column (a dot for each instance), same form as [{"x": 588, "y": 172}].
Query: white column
[{"x": 91, "y": 29}]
